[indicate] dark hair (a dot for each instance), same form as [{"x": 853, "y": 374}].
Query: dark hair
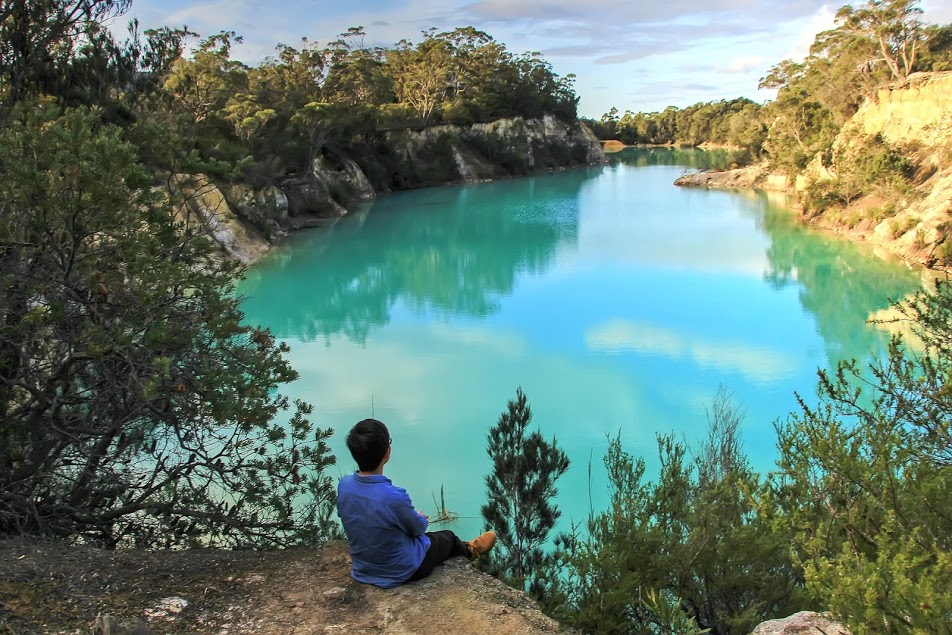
[{"x": 368, "y": 442}]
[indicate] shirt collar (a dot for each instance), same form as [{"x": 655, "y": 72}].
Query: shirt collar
[{"x": 371, "y": 478}]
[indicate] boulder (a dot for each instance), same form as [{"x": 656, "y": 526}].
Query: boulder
[
  {"x": 802, "y": 623},
  {"x": 264, "y": 207}
]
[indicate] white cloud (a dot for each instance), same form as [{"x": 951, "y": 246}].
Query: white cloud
[
  {"x": 937, "y": 11},
  {"x": 822, "y": 20},
  {"x": 743, "y": 64},
  {"x": 756, "y": 363}
]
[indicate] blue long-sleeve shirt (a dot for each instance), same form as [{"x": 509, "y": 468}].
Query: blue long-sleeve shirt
[{"x": 387, "y": 536}]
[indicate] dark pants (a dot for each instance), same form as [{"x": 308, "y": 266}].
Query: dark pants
[{"x": 443, "y": 545}]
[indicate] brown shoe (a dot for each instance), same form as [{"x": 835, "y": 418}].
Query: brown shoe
[{"x": 481, "y": 545}]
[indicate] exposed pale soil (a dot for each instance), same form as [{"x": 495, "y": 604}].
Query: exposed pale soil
[{"x": 51, "y": 588}]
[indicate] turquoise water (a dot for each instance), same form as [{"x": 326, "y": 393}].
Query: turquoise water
[{"x": 616, "y": 300}]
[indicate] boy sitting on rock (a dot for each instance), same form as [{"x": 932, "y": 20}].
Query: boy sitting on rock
[{"x": 389, "y": 544}]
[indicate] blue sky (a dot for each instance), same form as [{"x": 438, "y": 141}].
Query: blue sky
[{"x": 641, "y": 55}]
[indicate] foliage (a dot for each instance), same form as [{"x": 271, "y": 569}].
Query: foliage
[
  {"x": 38, "y": 40},
  {"x": 520, "y": 491},
  {"x": 862, "y": 165},
  {"x": 890, "y": 30},
  {"x": 704, "y": 538},
  {"x": 936, "y": 52},
  {"x": 135, "y": 408},
  {"x": 869, "y": 469}
]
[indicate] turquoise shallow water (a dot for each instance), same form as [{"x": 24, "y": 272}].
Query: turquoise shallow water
[{"x": 616, "y": 300}]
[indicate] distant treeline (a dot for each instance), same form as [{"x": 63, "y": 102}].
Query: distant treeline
[{"x": 738, "y": 122}]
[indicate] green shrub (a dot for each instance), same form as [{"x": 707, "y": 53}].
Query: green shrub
[
  {"x": 943, "y": 251},
  {"x": 880, "y": 213},
  {"x": 868, "y": 473},
  {"x": 821, "y": 195},
  {"x": 900, "y": 227},
  {"x": 869, "y": 165},
  {"x": 706, "y": 535}
]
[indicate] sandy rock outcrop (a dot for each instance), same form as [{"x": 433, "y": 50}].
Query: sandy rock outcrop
[
  {"x": 758, "y": 176},
  {"x": 918, "y": 111},
  {"x": 802, "y": 623},
  {"x": 57, "y": 588}
]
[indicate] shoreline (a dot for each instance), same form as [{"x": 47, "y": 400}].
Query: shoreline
[
  {"x": 760, "y": 177},
  {"x": 610, "y": 146}
]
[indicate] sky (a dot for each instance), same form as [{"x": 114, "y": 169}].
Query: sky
[{"x": 639, "y": 55}]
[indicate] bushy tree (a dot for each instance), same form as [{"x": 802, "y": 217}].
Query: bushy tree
[
  {"x": 869, "y": 469},
  {"x": 39, "y": 39},
  {"x": 701, "y": 543},
  {"x": 520, "y": 488},
  {"x": 135, "y": 407}
]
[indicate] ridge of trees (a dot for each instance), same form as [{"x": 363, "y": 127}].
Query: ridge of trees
[{"x": 206, "y": 111}]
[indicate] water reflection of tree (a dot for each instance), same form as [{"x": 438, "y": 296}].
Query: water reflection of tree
[
  {"x": 685, "y": 157},
  {"x": 840, "y": 283},
  {"x": 451, "y": 250}
]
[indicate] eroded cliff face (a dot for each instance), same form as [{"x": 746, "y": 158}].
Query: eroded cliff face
[
  {"x": 916, "y": 118},
  {"x": 245, "y": 220},
  {"x": 918, "y": 111}
]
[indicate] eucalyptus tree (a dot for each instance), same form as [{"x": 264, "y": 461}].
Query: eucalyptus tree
[
  {"x": 355, "y": 75},
  {"x": 420, "y": 74},
  {"x": 203, "y": 84},
  {"x": 894, "y": 29}
]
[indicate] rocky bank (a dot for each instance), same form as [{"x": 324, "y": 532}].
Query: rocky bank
[
  {"x": 916, "y": 117},
  {"x": 245, "y": 220},
  {"x": 51, "y": 588}
]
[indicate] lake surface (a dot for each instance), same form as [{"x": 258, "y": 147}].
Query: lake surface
[{"x": 616, "y": 300}]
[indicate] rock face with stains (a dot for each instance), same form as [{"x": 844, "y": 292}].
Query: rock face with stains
[
  {"x": 245, "y": 220},
  {"x": 200, "y": 203}
]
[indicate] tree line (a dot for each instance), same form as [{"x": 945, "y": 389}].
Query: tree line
[{"x": 206, "y": 111}]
